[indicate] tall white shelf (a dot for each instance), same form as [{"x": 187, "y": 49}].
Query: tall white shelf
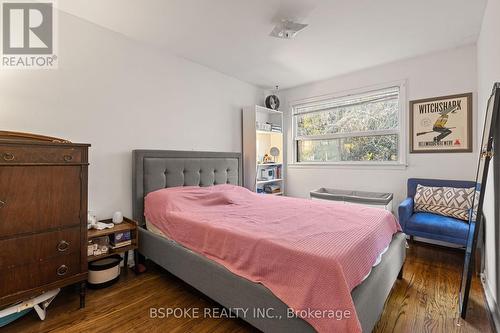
[{"x": 257, "y": 143}]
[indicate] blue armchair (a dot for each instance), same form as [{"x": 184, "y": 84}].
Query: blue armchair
[{"x": 428, "y": 225}]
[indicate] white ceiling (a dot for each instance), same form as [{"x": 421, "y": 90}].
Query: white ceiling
[{"x": 232, "y": 36}]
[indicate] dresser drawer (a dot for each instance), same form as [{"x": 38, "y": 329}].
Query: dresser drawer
[
  {"x": 34, "y": 275},
  {"x": 28, "y": 155},
  {"x": 35, "y": 199},
  {"x": 40, "y": 247}
]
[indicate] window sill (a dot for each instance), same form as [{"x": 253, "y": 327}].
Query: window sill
[{"x": 359, "y": 166}]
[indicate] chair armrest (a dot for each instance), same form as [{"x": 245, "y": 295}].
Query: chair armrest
[{"x": 405, "y": 211}]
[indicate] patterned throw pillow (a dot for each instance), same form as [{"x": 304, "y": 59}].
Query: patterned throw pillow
[{"x": 446, "y": 201}]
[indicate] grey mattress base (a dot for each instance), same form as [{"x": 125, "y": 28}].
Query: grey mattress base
[{"x": 233, "y": 291}]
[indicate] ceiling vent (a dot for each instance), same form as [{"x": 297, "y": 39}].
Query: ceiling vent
[{"x": 287, "y": 29}]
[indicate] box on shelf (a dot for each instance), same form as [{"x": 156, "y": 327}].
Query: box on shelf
[
  {"x": 120, "y": 239},
  {"x": 121, "y": 236}
]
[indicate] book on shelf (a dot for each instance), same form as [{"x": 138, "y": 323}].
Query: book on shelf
[
  {"x": 276, "y": 129},
  {"x": 121, "y": 244}
]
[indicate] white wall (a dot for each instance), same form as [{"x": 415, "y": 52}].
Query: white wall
[
  {"x": 119, "y": 95},
  {"x": 488, "y": 70},
  {"x": 449, "y": 72}
]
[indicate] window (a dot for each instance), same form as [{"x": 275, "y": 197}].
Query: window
[{"x": 357, "y": 128}]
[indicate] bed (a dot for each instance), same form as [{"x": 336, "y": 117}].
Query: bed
[{"x": 158, "y": 169}]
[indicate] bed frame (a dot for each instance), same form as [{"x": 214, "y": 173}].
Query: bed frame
[{"x": 156, "y": 169}]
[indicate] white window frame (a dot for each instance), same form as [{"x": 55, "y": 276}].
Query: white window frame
[{"x": 401, "y": 130}]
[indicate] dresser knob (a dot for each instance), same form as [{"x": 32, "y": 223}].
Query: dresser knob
[
  {"x": 68, "y": 158},
  {"x": 8, "y": 156},
  {"x": 62, "y": 246},
  {"x": 62, "y": 270},
  {"x": 2, "y": 203}
]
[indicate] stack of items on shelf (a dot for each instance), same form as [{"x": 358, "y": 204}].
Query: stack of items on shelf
[
  {"x": 269, "y": 127},
  {"x": 98, "y": 246},
  {"x": 272, "y": 188},
  {"x": 120, "y": 239},
  {"x": 270, "y": 173},
  {"x": 263, "y": 126},
  {"x": 275, "y": 128}
]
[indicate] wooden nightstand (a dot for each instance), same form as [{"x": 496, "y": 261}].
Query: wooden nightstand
[{"x": 126, "y": 225}]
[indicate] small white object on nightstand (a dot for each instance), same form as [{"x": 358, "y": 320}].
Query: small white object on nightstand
[{"x": 117, "y": 217}]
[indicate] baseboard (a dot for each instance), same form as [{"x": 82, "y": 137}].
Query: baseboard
[{"x": 492, "y": 305}]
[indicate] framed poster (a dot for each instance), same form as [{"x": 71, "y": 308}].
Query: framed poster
[{"x": 441, "y": 124}]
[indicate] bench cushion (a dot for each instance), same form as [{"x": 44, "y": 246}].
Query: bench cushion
[{"x": 433, "y": 224}]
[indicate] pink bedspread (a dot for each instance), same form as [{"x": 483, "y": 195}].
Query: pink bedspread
[{"x": 310, "y": 254}]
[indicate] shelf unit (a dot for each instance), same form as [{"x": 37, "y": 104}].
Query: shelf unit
[
  {"x": 126, "y": 225},
  {"x": 256, "y": 143}
]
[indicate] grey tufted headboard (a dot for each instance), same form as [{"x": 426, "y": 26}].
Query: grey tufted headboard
[{"x": 156, "y": 169}]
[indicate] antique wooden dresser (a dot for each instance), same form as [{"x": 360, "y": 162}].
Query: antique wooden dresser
[{"x": 43, "y": 215}]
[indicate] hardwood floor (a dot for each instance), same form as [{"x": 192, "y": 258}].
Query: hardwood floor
[{"x": 424, "y": 301}]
